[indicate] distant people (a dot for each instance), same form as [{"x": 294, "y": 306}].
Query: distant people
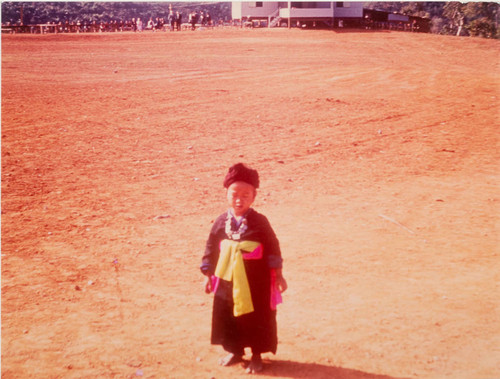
[
  {"x": 134, "y": 24},
  {"x": 195, "y": 20},
  {"x": 158, "y": 24},
  {"x": 171, "y": 20},
  {"x": 140, "y": 26},
  {"x": 151, "y": 24},
  {"x": 178, "y": 20},
  {"x": 192, "y": 20}
]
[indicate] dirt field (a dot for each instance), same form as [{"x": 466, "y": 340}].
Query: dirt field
[{"x": 379, "y": 163}]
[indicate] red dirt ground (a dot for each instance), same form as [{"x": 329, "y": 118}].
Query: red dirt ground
[{"x": 378, "y": 154}]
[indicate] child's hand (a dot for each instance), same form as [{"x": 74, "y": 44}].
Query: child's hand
[
  {"x": 281, "y": 283},
  {"x": 280, "y": 280},
  {"x": 208, "y": 284}
]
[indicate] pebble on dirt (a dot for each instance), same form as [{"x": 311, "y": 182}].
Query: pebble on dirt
[{"x": 161, "y": 217}]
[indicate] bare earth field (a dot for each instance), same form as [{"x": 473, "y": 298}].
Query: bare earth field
[{"x": 379, "y": 163}]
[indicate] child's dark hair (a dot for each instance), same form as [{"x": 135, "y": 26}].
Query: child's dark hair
[{"x": 241, "y": 173}]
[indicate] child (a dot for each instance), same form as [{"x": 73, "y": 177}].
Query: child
[{"x": 242, "y": 263}]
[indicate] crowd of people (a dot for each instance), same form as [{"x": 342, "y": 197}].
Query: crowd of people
[{"x": 173, "y": 22}]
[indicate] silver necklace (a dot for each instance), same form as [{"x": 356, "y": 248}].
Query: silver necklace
[{"x": 235, "y": 235}]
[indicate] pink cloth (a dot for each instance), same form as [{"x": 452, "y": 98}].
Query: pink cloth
[
  {"x": 256, "y": 254},
  {"x": 275, "y": 292},
  {"x": 215, "y": 283}
]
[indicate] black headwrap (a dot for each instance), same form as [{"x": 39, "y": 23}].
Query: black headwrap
[{"x": 241, "y": 173}]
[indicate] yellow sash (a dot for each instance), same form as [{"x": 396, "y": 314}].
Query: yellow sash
[{"x": 230, "y": 267}]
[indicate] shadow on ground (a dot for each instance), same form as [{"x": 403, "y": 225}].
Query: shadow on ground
[{"x": 290, "y": 369}]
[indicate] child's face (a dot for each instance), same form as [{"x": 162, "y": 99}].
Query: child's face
[{"x": 240, "y": 196}]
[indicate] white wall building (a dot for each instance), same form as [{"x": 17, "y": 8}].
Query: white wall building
[{"x": 330, "y": 13}]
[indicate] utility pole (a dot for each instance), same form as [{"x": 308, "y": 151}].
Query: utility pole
[
  {"x": 333, "y": 14},
  {"x": 289, "y": 14}
]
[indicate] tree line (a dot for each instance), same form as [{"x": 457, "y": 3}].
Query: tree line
[{"x": 455, "y": 18}]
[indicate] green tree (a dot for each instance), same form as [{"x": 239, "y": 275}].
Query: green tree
[
  {"x": 483, "y": 19},
  {"x": 482, "y": 27},
  {"x": 455, "y": 13},
  {"x": 417, "y": 9}
]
